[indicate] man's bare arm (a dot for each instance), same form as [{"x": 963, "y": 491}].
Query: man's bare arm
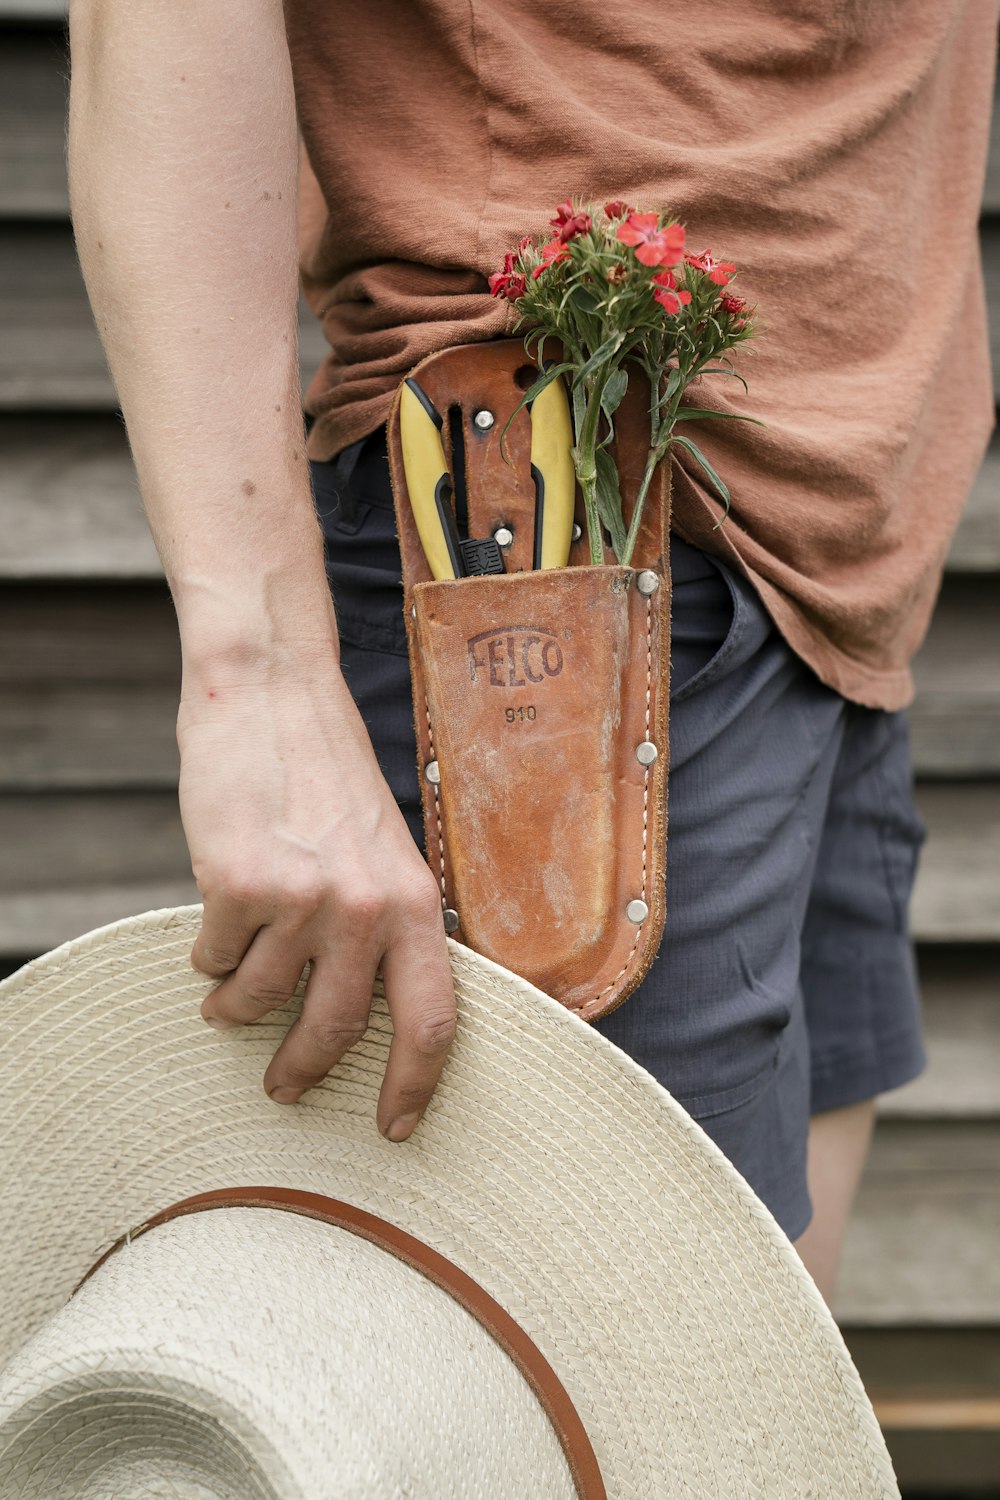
[{"x": 182, "y": 155}]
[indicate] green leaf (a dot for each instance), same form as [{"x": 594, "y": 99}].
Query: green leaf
[
  {"x": 722, "y": 370},
  {"x": 713, "y": 476},
  {"x": 545, "y": 379},
  {"x": 584, "y": 299},
  {"x": 614, "y": 392},
  {"x": 673, "y": 381},
  {"x": 600, "y": 357},
  {"x": 686, "y": 413},
  {"x": 609, "y": 500}
]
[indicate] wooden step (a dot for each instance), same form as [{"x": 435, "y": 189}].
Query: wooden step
[
  {"x": 32, "y": 84},
  {"x": 90, "y": 677},
  {"x": 948, "y": 1379},
  {"x": 956, "y": 716},
  {"x": 957, "y": 897},
  {"x": 960, "y": 989},
  {"x": 71, "y": 508},
  {"x": 59, "y": 849},
  {"x": 50, "y": 354},
  {"x": 47, "y": 13},
  {"x": 72, "y": 862},
  {"x": 70, "y": 502},
  {"x": 922, "y": 1245}
]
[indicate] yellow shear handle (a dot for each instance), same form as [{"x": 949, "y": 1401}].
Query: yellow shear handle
[
  {"x": 554, "y": 475},
  {"x": 428, "y": 482}
]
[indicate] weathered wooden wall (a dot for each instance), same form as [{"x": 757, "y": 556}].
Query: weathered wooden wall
[{"x": 89, "y": 669}]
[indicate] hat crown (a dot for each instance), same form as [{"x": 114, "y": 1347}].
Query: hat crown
[{"x": 252, "y": 1354}]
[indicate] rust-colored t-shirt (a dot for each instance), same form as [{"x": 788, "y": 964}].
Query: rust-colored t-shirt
[{"x": 834, "y": 149}]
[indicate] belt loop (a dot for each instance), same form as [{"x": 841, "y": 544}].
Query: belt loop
[{"x": 343, "y": 471}]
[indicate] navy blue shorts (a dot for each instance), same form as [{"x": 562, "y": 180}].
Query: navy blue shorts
[{"x": 785, "y": 984}]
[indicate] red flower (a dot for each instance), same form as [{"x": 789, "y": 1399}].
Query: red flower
[
  {"x": 618, "y": 209},
  {"x": 554, "y": 251},
  {"x": 509, "y": 282},
  {"x": 510, "y": 286},
  {"x": 670, "y": 300},
  {"x": 737, "y": 309},
  {"x": 568, "y": 223},
  {"x": 653, "y": 246},
  {"x": 719, "y": 271}
]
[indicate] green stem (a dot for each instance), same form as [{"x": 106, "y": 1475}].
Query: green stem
[
  {"x": 586, "y": 469},
  {"x": 655, "y": 454},
  {"x": 659, "y": 441}
]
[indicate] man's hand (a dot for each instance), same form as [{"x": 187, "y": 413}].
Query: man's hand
[{"x": 302, "y": 856}]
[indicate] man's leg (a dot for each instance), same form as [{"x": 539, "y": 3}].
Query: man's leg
[{"x": 839, "y": 1141}]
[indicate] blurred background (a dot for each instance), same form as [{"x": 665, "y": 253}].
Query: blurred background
[{"x": 89, "y": 827}]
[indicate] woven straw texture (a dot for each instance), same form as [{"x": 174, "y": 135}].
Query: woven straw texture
[
  {"x": 165, "y": 1342},
  {"x": 549, "y": 1166}
]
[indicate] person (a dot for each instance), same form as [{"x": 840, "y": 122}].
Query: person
[{"x": 836, "y": 153}]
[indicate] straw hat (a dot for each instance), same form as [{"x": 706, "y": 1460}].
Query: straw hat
[{"x": 559, "y": 1286}]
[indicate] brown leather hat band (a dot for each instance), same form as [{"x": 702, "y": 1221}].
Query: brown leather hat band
[{"x": 510, "y": 1335}]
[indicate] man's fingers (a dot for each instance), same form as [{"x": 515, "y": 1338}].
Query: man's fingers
[
  {"x": 334, "y": 1016},
  {"x": 265, "y": 979},
  {"x": 227, "y": 930},
  {"x": 421, "y": 999}
]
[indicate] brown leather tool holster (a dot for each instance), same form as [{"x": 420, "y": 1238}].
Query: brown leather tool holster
[{"x": 540, "y": 704}]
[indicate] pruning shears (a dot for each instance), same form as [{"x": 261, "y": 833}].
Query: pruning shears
[{"x": 429, "y": 484}]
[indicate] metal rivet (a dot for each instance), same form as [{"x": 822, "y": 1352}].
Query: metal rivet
[
  {"x": 484, "y": 420},
  {"x": 646, "y": 753},
  {"x": 450, "y": 919},
  {"x": 503, "y": 536},
  {"x": 577, "y": 531},
  {"x": 433, "y": 772},
  {"x": 637, "y": 911},
  {"x": 413, "y": 611},
  {"x": 648, "y": 581}
]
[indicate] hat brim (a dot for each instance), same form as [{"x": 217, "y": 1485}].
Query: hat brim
[{"x": 549, "y": 1166}]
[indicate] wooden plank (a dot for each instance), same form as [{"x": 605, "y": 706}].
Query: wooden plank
[
  {"x": 991, "y": 190},
  {"x": 69, "y": 501},
  {"x": 89, "y": 680},
  {"x": 34, "y": 74},
  {"x": 57, "y": 844},
  {"x": 50, "y": 354},
  {"x": 70, "y": 862},
  {"x": 946, "y": 1366},
  {"x": 961, "y": 1012},
  {"x": 43, "y": 12},
  {"x": 71, "y": 508},
  {"x": 956, "y": 716},
  {"x": 89, "y": 686},
  {"x": 922, "y": 1246},
  {"x": 957, "y": 897},
  {"x": 976, "y": 545},
  {"x": 927, "y": 1362}
]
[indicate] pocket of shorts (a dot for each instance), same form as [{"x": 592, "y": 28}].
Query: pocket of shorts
[
  {"x": 759, "y": 1031},
  {"x": 717, "y": 662},
  {"x": 720, "y": 1102}
]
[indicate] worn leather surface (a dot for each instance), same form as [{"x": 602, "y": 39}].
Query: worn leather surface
[{"x": 532, "y": 691}]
